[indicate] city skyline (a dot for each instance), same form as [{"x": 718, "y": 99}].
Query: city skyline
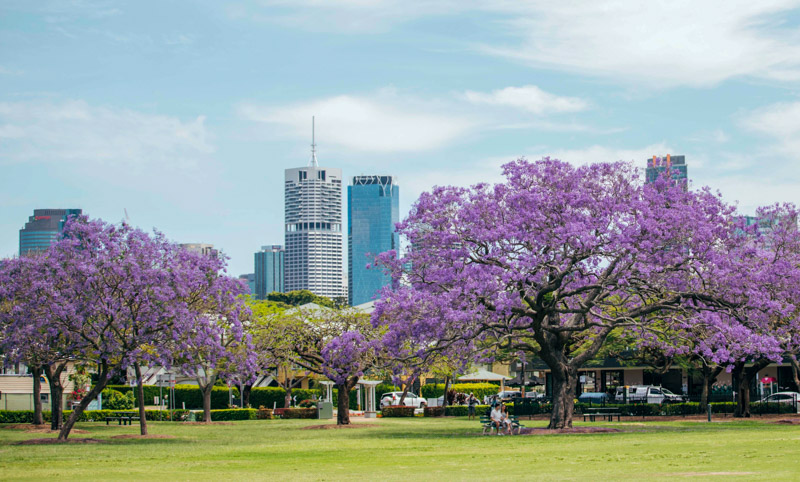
[{"x": 186, "y": 120}]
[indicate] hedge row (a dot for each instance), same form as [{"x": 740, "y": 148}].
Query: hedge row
[
  {"x": 231, "y": 414},
  {"x": 260, "y": 396},
  {"x": 26, "y": 416},
  {"x": 397, "y": 411},
  {"x": 188, "y": 394},
  {"x": 480, "y": 390}
]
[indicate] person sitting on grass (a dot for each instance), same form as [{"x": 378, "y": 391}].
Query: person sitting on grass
[{"x": 497, "y": 417}]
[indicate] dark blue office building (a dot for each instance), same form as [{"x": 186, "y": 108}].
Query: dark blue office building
[
  {"x": 42, "y": 229},
  {"x": 373, "y": 209}
]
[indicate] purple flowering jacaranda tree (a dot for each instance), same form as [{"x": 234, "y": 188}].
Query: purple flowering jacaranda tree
[
  {"x": 28, "y": 301},
  {"x": 551, "y": 261},
  {"x": 132, "y": 299}
]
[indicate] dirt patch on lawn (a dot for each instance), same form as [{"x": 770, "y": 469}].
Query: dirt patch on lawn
[
  {"x": 51, "y": 441},
  {"x": 547, "y": 431},
  {"x": 138, "y": 436},
  {"x": 788, "y": 421},
  {"x": 329, "y": 426},
  {"x": 30, "y": 428},
  {"x": 207, "y": 423}
]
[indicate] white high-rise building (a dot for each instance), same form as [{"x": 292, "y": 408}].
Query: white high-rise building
[{"x": 313, "y": 222}]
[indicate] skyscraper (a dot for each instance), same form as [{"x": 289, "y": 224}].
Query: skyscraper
[
  {"x": 313, "y": 223},
  {"x": 42, "y": 229},
  {"x": 373, "y": 209},
  {"x": 269, "y": 267},
  {"x": 250, "y": 279},
  {"x": 676, "y": 165}
]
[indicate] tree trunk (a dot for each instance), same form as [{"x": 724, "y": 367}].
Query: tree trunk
[
  {"x": 343, "y": 405},
  {"x": 287, "y": 399},
  {"x": 446, "y": 387},
  {"x": 743, "y": 376},
  {"x": 709, "y": 378},
  {"x": 36, "y": 372},
  {"x": 140, "y": 396},
  {"x": 246, "y": 389},
  {"x": 207, "y": 401},
  {"x": 53, "y": 373},
  {"x": 795, "y": 373},
  {"x": 564, "y": 380},
  {"x": 406, "y": 386},
  {"x": 102, "y": 381}
]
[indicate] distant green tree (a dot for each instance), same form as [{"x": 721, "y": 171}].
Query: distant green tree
[{"x": 299, "y": 298}]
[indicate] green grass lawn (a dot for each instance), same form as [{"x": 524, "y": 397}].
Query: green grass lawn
[{"x": 411, "y": 449}]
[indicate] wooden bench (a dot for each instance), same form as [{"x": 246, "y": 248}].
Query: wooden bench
[
  {"x": 486, "y": 423},
  {"x": 602, "y": 412}
]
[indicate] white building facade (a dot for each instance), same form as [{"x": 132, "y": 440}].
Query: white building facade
[{"x": 313, "y": 227}]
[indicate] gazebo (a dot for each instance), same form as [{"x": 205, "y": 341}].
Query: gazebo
[
  {"x": 482, "y": 375},
  {"x": 369, "y": 397}
]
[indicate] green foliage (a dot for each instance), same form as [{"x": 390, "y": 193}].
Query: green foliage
[
  {"x": 274, "y": 396},
  {"x": 433, "y": 411},
  {"x": 116, "y": 400},
  {"x": 397, "y": 411},
  {"x": 299, "y": 298},
  {"x": 299, "y": 413},
  {"x": 234, "y": 414},
  {"x": 463, "y": 410},
  {"x": 480, "y": 390},
  {"x": 189, "y": 394}
]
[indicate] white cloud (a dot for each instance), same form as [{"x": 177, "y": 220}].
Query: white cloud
[
  {"x": 779, "y": 121},
  {"x": 383, "y": 122},
  {"x": 529, "y": 98},
  {"x": 76, "y": 132},
  {"x": 662, "y": 44},
  {"x": 598, "y": 153}
]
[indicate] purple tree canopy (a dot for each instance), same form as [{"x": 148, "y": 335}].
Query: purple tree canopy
[{"x": 555, "y": 258}]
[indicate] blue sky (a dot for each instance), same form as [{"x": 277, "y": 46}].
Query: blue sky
[{"x": 187, "y": 113}]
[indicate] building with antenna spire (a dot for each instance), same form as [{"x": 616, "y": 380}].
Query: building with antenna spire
[{"x": 313, "y": 228}]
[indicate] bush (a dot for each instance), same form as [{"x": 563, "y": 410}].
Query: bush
[
  {"x": 188, "y": 394},
  {"x": 299, "y": 413},
  {"x": 274, "y": 396},
  {"x": 116, "y": 400},
  {"x": 433, "y": 411},
  {"x": 264, "y": 413},
  {"x": 463, "y": 410},
  {"x": 397, "y": 411},
  {"x": 307, "y": 404},
  {"x": 233, "y": 414}
]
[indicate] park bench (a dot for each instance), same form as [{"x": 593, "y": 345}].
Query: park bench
[
  {"x": 604, "y": 413},
  {"x": 486, "y": 424},
  {"x": 123, "y": 418}
]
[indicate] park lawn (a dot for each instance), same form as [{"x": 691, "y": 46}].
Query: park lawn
[{"x": 409, "y": 449}]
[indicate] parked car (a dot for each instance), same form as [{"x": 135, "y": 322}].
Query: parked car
[
  {"x": 593, "y": 397},
  {"x": 784, "y": 397},
  {"x": 411, "y": 400},
  {"x": 504, "y": 396},
  {"x": 647, "y": 394}
]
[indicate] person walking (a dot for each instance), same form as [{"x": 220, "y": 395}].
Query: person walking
[{"x": 472, "y": 403}]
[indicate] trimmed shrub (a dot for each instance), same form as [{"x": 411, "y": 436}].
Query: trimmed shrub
[
  {"x": 264, "y": 413},
  {"x": 463, "y": 410},
  {"x": 188, "y": 394},
  {"x": 233, "y": 414},
  {"x": 397, "y": 411},
  {"x": 433, "y": 411},
  {"x": 299, "y": 413}
]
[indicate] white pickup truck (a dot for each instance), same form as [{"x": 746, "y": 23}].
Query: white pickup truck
[{"x": 647, "y": 394}]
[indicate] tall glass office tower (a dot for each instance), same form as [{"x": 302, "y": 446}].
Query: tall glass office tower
[
  {"x": 313, "y": 223},
  {"x": 43, "y": 228},
  {"x": 373, "y": 209},
  {"x": 269, "y": 267}
]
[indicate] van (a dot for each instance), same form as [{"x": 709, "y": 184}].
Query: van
[{"x": 646, "y": 394}]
